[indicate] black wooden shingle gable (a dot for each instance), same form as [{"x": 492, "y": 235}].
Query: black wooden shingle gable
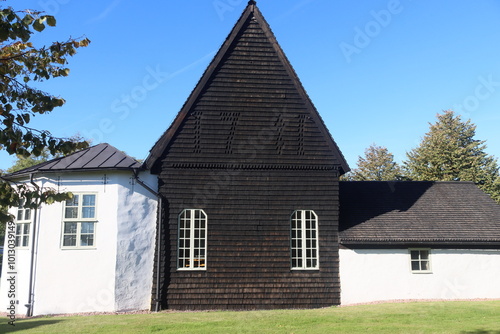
[
  {"x": 249, "y": 149},
  {"x": 250, "y": 107}
]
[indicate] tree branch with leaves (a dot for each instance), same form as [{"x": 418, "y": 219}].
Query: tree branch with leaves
[
  {"x": 377, "y": 165},
  {"x": 22, "y": 65},
  {"x": 450, "y": 152}
]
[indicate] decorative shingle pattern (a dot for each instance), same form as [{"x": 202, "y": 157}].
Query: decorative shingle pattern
[{"x": 249, "y": 107}]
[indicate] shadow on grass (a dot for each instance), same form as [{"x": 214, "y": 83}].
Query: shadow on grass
[
  {"x": 482, "y": 331},
  {"x": 23, "y": 324}
]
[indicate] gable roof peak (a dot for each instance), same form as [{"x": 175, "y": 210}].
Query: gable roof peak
[{"x": 249, "y": 72}]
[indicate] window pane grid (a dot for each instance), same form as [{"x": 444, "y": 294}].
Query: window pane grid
[
  {"x": 79, "y": 225},
  {"x": 192, "y": 239},
  {"x": 22, "y": 234},
  {"x": 23, "y": 224},
  {"x": 419, "y": 260},
  {"x": 304, "y": 244}
]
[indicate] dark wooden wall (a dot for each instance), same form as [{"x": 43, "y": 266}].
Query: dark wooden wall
[
  {"x": 248, "y": 253},
  {"x": 249, "y": 148}
]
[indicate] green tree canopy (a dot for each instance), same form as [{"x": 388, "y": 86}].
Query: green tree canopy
[
  {"x": 22, "y": 65},
  {"x": 377, "y": 165},
  {"x": 23, "y": 162},
  {"x": 449, "y": 152}
]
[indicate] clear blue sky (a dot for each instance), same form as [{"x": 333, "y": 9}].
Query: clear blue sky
[{"x": 377, "y": 71}]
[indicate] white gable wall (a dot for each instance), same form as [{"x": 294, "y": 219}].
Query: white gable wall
[
  {"x": 136, "y": 212},
  {"x": 369, "y": 275},
  {"x": 21, "y": 280},
  {"x": 72, "y": 280},
  {"x": 88, "y": 280}
]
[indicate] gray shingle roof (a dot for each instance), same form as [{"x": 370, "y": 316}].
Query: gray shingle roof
[
  {"x": 99, "y": 157},
  {"x": 417, "y": 212}
]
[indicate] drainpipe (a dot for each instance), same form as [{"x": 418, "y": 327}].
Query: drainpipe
[
  {"x": 158, "y": 254},
  {"x": 158, "y": 237},
  {"x": 29, "y": 312}
]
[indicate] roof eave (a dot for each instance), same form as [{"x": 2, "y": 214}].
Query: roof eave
[
  {"x": 20, "y": 176},
  {"x": 431, "y": 243}
]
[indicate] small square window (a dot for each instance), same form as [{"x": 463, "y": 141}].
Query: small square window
[{"x": 420, "y": 260}]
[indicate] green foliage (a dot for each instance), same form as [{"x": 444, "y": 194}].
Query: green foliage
[
  {"x": 377, "y": 165},
  {"x": 22, "y": 65},
  {"x": 26, "y": 162},
  {"x": 449, "y": 152}
]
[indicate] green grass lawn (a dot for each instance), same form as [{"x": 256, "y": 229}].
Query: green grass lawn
[{"x": 479, "y": 317}]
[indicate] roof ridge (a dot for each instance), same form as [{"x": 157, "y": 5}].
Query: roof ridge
[
  {"x": 76, "y": 161},
  {"x": 250, "y": 13}
]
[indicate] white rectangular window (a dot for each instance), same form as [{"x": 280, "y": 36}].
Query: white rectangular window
[
  {"x": 420, "y": 260},
  {"x": 192, "y": 240},
  {"x": 304, "y": 240},
  {"x": 79, "y": 222},
  {"x": 23, "y": 225}
]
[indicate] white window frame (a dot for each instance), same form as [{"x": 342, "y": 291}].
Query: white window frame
[
  {"x": 196, "y": 247},
  {"x": 300, "y": 250},
  {"x": 23, "y": 220},
  {"x": 420, "y": 260},
  {"x": 79, "y": 220}
]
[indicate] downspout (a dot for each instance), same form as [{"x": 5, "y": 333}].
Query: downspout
[
  {"x": 29, "y": 312},
  {"x": 158, "y": 237}
]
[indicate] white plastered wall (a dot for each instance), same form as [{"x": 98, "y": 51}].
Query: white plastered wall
[
  {"x": 136, "y": 212},
  {"x": 369, "y": 275},
  {"x": 88, "y": 280}
]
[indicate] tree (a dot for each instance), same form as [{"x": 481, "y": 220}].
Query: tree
[
  {"x": 22, "y": 65},
  {"x": 449, "y": 152},
  {"x": 377, "y": 165},
  {"x": 25, "y": 162}
]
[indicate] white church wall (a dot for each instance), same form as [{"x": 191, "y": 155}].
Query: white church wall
[
  {"x": 369, "y": 275},
  {"x": 77, "y": 280},
  {"x": 136, "y": 237},
  {"x": 89, "y": 279}
]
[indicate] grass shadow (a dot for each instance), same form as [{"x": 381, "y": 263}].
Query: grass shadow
[
  {"x": 482, "y": 331},
  {"x": 26, "y": 324}
]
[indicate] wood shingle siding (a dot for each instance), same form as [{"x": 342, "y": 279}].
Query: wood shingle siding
[
  {"x": 248, "y": 254},
  {"x": 249, "y": 107},
  {"x": 249, "y": 148}
]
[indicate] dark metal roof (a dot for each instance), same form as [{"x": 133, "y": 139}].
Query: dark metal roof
[
  {"x": 417, "y": 212},
  {"x": 248, "y": 92},
  {"x": 98, "y": 157}
]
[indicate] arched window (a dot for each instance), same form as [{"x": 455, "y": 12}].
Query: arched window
[
  {"x": 192, "y": 240},
  {"x": 304, "y": 240}
]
